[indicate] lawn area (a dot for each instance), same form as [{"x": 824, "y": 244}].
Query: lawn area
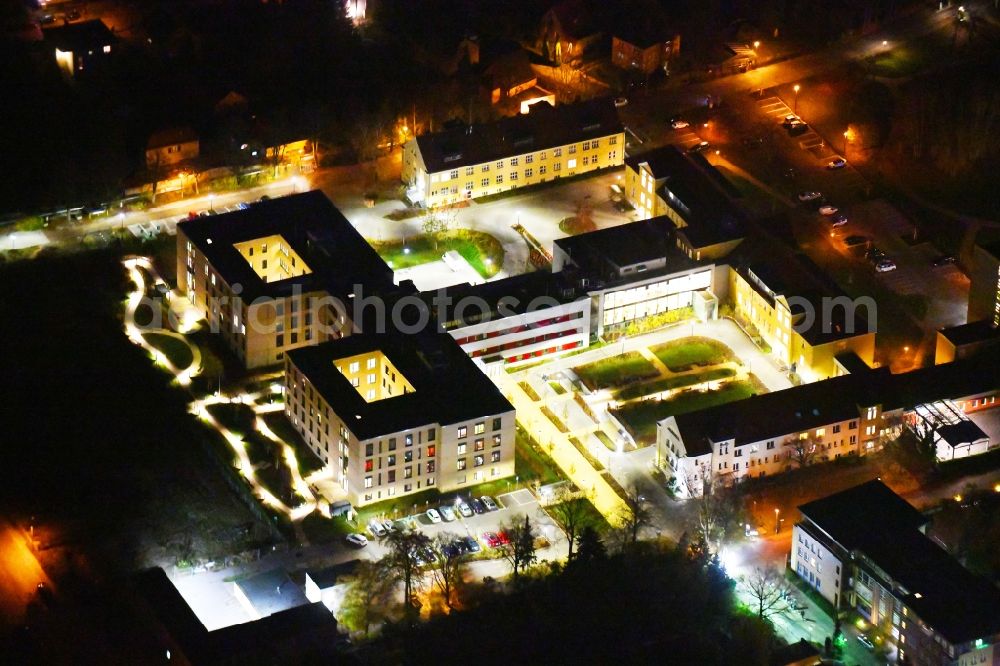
[
  {"x": 555, "y": 419},
  {"x": 279, "y": 424},
  {"x": 616, "y": 371},
  {"x": 481, "y": 250},
  {"x": 557, "y": 387},
  {"x": 640, "y": 417},
  {"x": 573, "y": 225},
  {"x": 606, "y": 441},
  {"x": 687, "y": 353},
  {"x": 237, "y": 417},
  {"x": 320, "y": 530},
  {"x": 532, "y": 463},
  {"x": 667, "y": 383},
  {"x": 176, "y": 351}
]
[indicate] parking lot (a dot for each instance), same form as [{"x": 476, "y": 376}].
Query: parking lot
[{"x": 510, "y": 506}]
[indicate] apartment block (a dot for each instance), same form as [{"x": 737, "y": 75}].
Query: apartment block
[
  {"x": 395, "y": 414},
  {"x": 984, "y": 284},
  {"x": 865, "y": 549},
  {"x": 545, "y": 144},
  {"x": 277, "y": 275}
]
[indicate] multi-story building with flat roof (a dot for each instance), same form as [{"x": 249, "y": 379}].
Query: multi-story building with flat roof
[
  {"x": 277, "y": 275},
  {"x": 865, "y": 549},
  {"x": 545, "y": 144},
  {"x": 396, "y": 414},
  {"x": 984, "y": 284}
]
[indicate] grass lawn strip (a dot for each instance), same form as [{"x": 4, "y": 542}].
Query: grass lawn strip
[
  {"x": 687, "y": 353},
  {"x": 475, "y": 246},
  {"x": 616, "y": 371},
  {"x": 668, "y": 383}
]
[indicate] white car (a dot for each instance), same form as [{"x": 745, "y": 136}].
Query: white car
[
  {"x": 465, "y": 510},
  {"x": 433, "y": 516},
  {"x": 388, "y": 526},
  {"x": 355, "y": 539},
  {"x": 677, "y": 123},
  {"x": 885, "y": 266},
  {"x": 447, "y": 513},
  {"x": 809, "y": 196},
  {"x": 827, "y": 209},
  {"x": 839, "y": 220},
  {"x": 838, "y": 163},
  {"x": 376, "y": 528},
  {"x": 789, "y": 119},
  {"x": 620, "y": 102},
  {"x": 488, "y": 503}
]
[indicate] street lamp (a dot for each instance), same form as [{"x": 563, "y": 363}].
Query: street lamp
[
  {"x": 847, "y": 138},
  {"x": 756, "y": 45},
  {"x": 211, "y": 203},
  {"x": 121, "y": 220},
  {"x": 777, "y": 523},
  {"x": 796, "y": 89}
]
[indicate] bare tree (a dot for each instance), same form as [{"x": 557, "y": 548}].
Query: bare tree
[
  {"x": 520, "y": 549},
  {"x": 770, "y": 593},
  {"x": 449, "y": 574},
  {"x": 570, "y": 515},
  {"x": 438, "y": 221},
  {"x": 803, "y": 450},
  {"x": 369, "y": 595},
  {"x": 406, "y": 550},
  {"x": 718, "y": 513},
  {"x": 632, "y": 518}
]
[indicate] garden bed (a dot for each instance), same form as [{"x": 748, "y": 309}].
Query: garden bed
[
  {"x": 688, "y": 353},
  {"x": 177, "y": 351}
]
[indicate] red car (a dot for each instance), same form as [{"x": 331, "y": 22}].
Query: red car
[
  {"x": 491, "y": 539},
  {"x": 503, "y": 538}
]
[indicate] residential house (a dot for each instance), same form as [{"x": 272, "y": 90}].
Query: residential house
[
  {"x": 865, "y": 549},
  {"x": 393, "y": 414},
  {"x": 80, "y": 47},
  {"x": 984, "y": 284},
  {"x": 568, "y": 31},
  {"x": 644, "y": 47},
  {"x": 277, "y": 275},
  {"x": 545, "y": 144},
  {"x": 171, "y": 146},
  {"x": 851, "y": 414}
]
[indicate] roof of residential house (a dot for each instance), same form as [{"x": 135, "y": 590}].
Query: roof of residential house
[
  {"x": 971, "y": 333},
  {"x": 170, "y": 136},
  {"x": 884, "y": 528},
  {"x": 818, "y": 404},
  {"x": 794, "y": 653},
  {"x": 776, "y": 414},
  {"x": 271, "y": 592},
  {"x": 641, "y": 30},
  {"x": 328, "y": 243},
  {"x": 576, "y": 18},
  {"x": 544, "y": 127},
  {"x": 328, "y": 576},
  {"x": 80, "y": 36},
  {"x": 448, "y": 386}
]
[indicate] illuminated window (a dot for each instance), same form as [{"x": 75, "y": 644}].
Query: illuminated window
[
  {"x": 462, "y": 432},
  {"x": 460, "y": 464},
  {"x": 570, "y": 164}
]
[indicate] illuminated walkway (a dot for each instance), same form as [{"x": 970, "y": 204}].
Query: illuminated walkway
[{"x": 187, "y": 319}]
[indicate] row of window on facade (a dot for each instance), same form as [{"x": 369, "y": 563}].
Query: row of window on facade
[{"x": 593, "y": 144}]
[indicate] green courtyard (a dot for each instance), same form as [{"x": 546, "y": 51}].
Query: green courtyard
[
  {"x": 687, "y": 353},
  {"x": 481, "y": 250},
  {"x": 616, "y": 371}
]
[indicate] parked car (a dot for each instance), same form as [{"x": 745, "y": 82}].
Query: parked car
[
  {"x": 72, "y": 14},
  {"x": 376, "y": 528},
  {"x": 789, "y": 119},
  {"x": 451, "y": 550},
  {"x": 838, "y": 163},
  {"x": 433, "y": 516},
  {"x": 387, "y": 524},
  {"x": 471, "y": 545},
  {"x": 678, "y": 123},
  {"x": 851, "y": 241},
  {"x": 447, "y": 513},
  {"x": 809, "y": 196},
  {"x": 356, "y": 539},
  {"x": 867, "y": 642},
  {"x": 885, "y": 266},
  {"x": 699, "y": 147},
  {"x": 477, "y": 505},
  {"x": 492, "y": 540},
  {"x": 874, "y": 255},
  {"x": 839, "y": 220},
  {"x": 797, "y": 128},
  {"x": 943, "y": 260},
  {"x": 489, "y": 503},
  {"x": 504, "y": 539},
  {"x": 465, "y": 510},
  {"x": 621, "y": 101},
  {"x": 827, "y": 209}
]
